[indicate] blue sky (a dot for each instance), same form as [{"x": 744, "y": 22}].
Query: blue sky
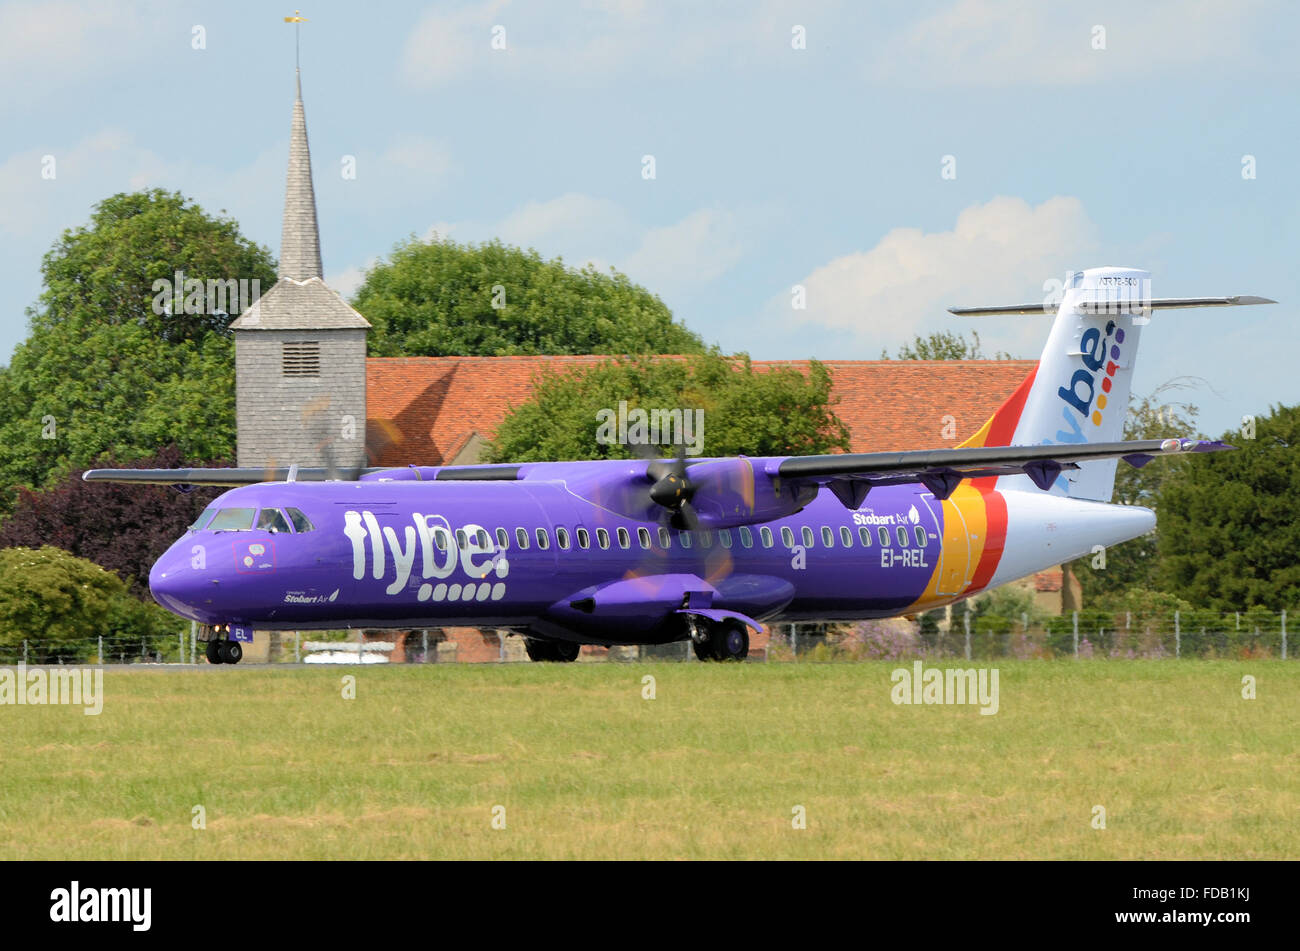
[{"x": 774, "y": 166}]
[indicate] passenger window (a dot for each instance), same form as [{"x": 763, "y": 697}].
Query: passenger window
[
  {"x": 807, "y": 537},
  {"x": 624, "y": 539},
  {"x": 765, "y": 534},
  {"x": 543, "y": 539},
  {"x": 864, "y": 534},
  {"x": 202, "y": 520},
  {"x": 503, "y": 539},
  {"x": 584, "y": 539},
  {"x": 883, "y": 534},
  {"x": 521, "y": 536},
  {"x": 684, "y": 539},
  {"x": 643, "y": 536},
  {"x": 270, "y": 520},
  {"x": 846, "y": 536},
  {"x": 602, "y": 538},
  {"x": 724, "y": 537},
  {"x": 746, "y": 537},
  {"x": 483, "y": 539},
  {"x": 828, "y": 537},
  {"x": 301, "y": 523},
  {"x": 665, "y": 539},
  {"x": 461, "y": 541},
  {"x": 562, "y": 538},
  {"x": 901, "y": 532},
  {"x": 442, "y": 538},
  {"x": 233, "y": 520},
  {"x": 921, "y": 537},
  {"x": 706, "y": 539},
  {"x": 787, "y": 537}
]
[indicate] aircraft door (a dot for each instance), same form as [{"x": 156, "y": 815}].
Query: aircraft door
[{"x": 954, "y": 551}]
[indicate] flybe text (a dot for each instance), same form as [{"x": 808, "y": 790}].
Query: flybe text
[{"x": 427, "y": 548}]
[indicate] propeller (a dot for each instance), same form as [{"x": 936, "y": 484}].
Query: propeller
[
  {"x": 316, "y": 419},
  {"x": 671, "y": 488}
]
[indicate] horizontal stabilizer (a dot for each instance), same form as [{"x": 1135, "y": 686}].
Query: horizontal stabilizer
[{"x": 1115, "y": 305}]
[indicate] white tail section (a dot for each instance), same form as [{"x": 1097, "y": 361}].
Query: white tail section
[{"x": 1080, "y": 391}]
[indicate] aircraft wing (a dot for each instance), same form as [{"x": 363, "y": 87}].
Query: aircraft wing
[
  {"x": 234, "y": 476},
  {"x": 220, "y": 477},
  {"x": 942, "y": 470}
]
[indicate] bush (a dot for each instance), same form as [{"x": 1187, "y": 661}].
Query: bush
[{"x": 60, "y": 605}]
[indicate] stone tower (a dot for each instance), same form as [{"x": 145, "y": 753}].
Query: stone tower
[{"x": 300, "y": 350}]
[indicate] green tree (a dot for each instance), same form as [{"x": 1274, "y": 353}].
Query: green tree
[
  {"x": 60, "y": 605},
  {"x": 106, "y": 368},
  {"x": 1228, "y": 533},
  {"x": 996, "y": 616},
  {"x": 770, "y": 412},
  {"x": 1133, "y": 564},
  {"x": 433, "y": 298},
  {"x": 943, "y": 345}
]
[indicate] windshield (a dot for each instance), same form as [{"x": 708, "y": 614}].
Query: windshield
[
  {"x": 271, "y": 520},
  {"x": 233, "y": 520},
  {"x": 202, "y": 520}
]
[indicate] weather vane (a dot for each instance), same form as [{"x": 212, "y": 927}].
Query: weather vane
[{"x": 296, "y": 19}]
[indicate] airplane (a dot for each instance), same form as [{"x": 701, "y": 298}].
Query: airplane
[{"x": 652, "y": 551}]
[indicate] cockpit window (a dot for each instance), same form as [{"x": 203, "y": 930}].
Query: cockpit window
[
  {"x": 301, "y": 523},
  {"x": 233, "y": 520},
  {"x": 203, "y": 518},
  {"x": 272, "y": 520}
]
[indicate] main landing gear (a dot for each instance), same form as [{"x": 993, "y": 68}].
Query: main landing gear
[
  {"x": 563, "y": 652},
  {"x": 221, "y": 651},
  {"x": 714, "y": 640}
]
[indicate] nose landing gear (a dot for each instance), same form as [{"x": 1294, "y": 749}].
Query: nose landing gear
[{"x": 222, "y": 651}]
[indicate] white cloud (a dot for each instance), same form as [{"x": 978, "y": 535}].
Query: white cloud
[
  {"x": 1000, "y": 252},
  {"x": 578, "y": 225},
  {"x": 601, "y": 38},
  {"x": 103, "y": 160},
  {"x": 349, "y": 279},
  {"x": 50, "y": 44},
  {"x": 702, "y": 246},
  {"x": 1005, "y": 42},
  {"x": 446, "y": 44},
  {"x": 583, "y": 229}
]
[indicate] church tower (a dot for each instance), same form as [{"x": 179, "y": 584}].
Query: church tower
[{"x": 300, "y": 350}]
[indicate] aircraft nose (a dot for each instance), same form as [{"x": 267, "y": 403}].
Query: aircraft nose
[{"x": 173, "y": 583}]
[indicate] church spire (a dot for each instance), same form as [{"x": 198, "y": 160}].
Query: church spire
[{"x": 300, "y": 236}]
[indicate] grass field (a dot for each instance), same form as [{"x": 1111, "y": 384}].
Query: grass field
[{"x": 712, "y": 768}]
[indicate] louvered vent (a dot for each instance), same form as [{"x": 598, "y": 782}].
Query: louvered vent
[{"x": 301, "y": 358}]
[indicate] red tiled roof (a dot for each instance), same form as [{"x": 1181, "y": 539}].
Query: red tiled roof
[
  {"x": 1049, "y": 580},
  {"x": 423, "y": 410}
]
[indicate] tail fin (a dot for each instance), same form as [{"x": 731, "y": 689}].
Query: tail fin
[{"x": 1079, "y": 392}]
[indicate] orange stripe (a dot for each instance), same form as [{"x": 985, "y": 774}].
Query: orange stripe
[{"x": 995, "y": 509}]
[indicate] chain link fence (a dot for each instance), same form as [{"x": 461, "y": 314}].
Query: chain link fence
[{"x": 1089, "y": 634}]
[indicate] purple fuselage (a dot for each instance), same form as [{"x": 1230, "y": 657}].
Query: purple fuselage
[{"x": 423, "y": 554}]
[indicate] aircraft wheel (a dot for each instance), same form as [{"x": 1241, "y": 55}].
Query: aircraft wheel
[
  {"x": 563, "y": 652},
  {"x": 232, "y": 652},
  {"x": 731, "y": 641},
  {"x": 213, "y": 652},
  {"x": 704, "y": 649}
]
